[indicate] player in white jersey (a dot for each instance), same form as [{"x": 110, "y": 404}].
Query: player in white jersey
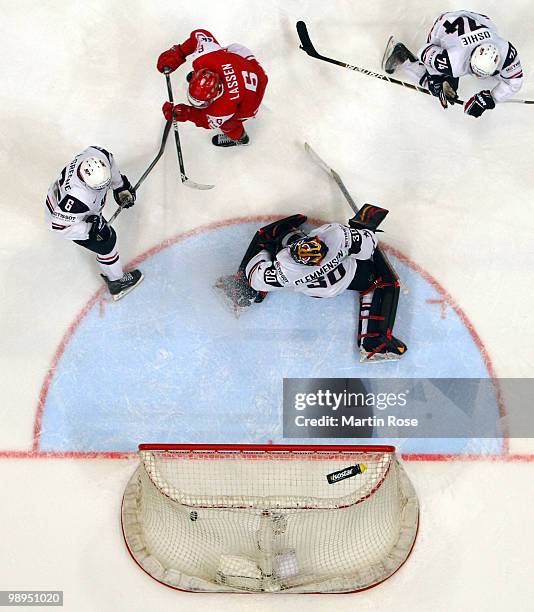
[
  {"x": 461, "y": 43},
  {"x": 324, "y": 263},
  {"x": 320, "y": 265},
  {"x": 74, "y": 206}
]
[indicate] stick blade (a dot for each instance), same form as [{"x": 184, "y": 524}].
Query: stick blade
[
  {"x": 389, "y": 46},
  {"x": 305, "y": 41},
  {"x": 189, "y": 183}
]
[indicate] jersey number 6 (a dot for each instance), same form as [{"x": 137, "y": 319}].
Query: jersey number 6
[{"x": 250, "y": 79}]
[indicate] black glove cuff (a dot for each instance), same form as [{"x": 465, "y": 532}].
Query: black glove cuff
[{"x": 125, "y": 184}]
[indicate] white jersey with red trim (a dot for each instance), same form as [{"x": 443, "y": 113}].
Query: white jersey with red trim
[
  {"x": 335, "y": 273},
  {"x": 70, "y": 201},
  {"x": 452, "y": 40}
]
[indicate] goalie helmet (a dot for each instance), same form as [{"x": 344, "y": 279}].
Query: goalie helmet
[
  {"x": 309, "y": 251},
  {"x": 95, "y": 173},
  {"x": 484, "y": 60},
  {"x": 204, "y": 88}
]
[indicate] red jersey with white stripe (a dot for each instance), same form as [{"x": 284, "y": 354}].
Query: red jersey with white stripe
[
  {"x": 452, "y": 40},
  {"x": 243, "y": 79},
  {"x": 70, "y": 201}
]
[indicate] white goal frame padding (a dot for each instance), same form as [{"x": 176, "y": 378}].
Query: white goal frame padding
[{"x": 253, "y": 518}]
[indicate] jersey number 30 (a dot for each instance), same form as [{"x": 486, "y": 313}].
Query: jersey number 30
[{"x": 333, "y": 277}]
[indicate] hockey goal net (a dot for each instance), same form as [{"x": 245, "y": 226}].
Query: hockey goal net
[{"x": 304, "y": 519}]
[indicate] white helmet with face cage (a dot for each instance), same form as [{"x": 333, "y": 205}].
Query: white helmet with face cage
[
  {"x": 484, "y": 60},
  {"x": 95, "y": 173}
]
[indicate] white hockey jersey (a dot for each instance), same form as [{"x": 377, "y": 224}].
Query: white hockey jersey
[
  {"x": 345, "y": 246},
  {"x": 69, "y": 201},
  {"x": 452, "y": 40}
]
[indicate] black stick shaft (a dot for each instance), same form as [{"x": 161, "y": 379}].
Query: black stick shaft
[
  {"x": 176, "y": 133},
  {"x": 142, "y": 178},
  {"x": 307, "y": 46}
]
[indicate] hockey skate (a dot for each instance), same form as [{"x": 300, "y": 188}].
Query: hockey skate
[
  {"x": 222, "y": 140},
  {"x": 395, "y": 55},
  {"x": 125, "y": 284},
  {"x": 238, "y": 294},
  {"x": 381, "y": 348}
]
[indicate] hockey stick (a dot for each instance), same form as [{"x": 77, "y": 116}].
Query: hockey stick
[
  {"x": 322, "y": 164},
  {"x": 183, "y": 176},
  {"x": 148, "y": 170},
  {"x": 334, "y": 175},
  {"x": 307, "y": 46},
  {"x": 378, "y": 251}
]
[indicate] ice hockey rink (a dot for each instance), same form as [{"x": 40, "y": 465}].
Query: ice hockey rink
[{"x": 85, "y": 380}]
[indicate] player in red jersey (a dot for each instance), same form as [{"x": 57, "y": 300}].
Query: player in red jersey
[{"x": 226, "y": 86}]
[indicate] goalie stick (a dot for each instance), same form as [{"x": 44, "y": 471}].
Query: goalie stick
[
  {"x": 334, "y": 175},
  {"x": 307, "y": 46},
  {"x": 358, "y": 212}
]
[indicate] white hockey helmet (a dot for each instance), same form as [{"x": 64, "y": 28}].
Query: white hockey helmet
[
  {"x": 95, "y": 173},
  {"x": 484, "y": 60}
]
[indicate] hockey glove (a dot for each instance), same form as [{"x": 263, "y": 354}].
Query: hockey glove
[
  {"x": 125, "y": 195},
  {"x": 443, "y": 87},
  {"x": 99, "y": 229},
  {"x": 480, "y": 102},
  {"x": 169, "y": 60},
  {"x": 368, "y": 217},
  {"x": 180, "y": 112}
]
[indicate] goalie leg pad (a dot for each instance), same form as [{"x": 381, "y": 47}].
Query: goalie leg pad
[
  {"x": 270, "y": 237},
  {"x": 365, "y": 276},
  {"x": 378, "y": 309}
]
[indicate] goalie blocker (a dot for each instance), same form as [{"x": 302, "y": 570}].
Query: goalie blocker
[{"x": 331, "y": 259}]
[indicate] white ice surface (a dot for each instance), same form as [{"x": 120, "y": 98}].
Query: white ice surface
[{"x": 460, "y": 195}]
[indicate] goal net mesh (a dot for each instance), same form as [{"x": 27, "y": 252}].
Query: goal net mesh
[{"x": 268, "y": 520}]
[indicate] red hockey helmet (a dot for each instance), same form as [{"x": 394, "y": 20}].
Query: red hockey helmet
[
  {"x": 309, "y": 251},
  {"x": 204, "y": 87}
]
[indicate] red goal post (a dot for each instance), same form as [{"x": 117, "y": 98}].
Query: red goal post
[{"x": 269, "y": 518}]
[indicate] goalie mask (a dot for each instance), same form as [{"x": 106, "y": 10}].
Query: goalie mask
[{"x": 309, "y": 251}]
